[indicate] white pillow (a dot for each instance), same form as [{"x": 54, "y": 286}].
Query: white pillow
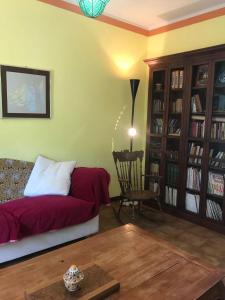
[{"x": 49, "y": 177}]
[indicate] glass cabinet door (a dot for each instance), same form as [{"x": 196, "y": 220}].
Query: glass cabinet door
[
  {"x": 215, "y": 185},
  {"x": 173, "y": 134},
  {"x": 196, "y": 134}
]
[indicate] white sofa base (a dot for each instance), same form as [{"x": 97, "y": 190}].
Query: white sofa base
[{"x": 47, "y": 240}]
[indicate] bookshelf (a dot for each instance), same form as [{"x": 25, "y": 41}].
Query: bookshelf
[{"x": 185, "y": 141}]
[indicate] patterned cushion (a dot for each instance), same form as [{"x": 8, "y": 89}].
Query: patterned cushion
[{"x": 14, "y": 175}]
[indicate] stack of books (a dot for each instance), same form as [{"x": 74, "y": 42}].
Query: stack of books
[
  {"x": 218, "y": 130},
  {"x": 192, "y": 202},
  {"x": 158, "y": 105},
  {"x": 197, "y": 129},
  {"x": 154, "y": 169},
  {"x": 195, "y": 153},
  {"x": 194, "y": 179},
  {"x": 196, "y": 106},
  {"x": 172, "y": 174},
  {"x": 217, "y": 160},
  {"x": 174, "y": 127},
  {"x": 177, "y": 106},
  {"x": 170, "y": 195},
  {"x": 214, "y": 211},
  {"x": 216, "y": 184},
  {"x": 177, "y": 79},
  {"x": 158, "y": 126}
]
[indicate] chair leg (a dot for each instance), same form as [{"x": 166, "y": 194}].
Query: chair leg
[
  {"x": 133, "y": 210},
  {"x": 119, "y": 210},
  {"x": 159, "y": 204},
  {"x": 139, "y": 207}
]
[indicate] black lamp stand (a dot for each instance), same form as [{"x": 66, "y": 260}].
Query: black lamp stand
[{"x": 134, "y": 83}]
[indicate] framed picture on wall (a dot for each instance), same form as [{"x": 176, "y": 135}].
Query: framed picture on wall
[{"x": 25, "y": 93}]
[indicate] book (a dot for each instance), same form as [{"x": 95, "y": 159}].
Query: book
[
  {"x": 197, "y": 128},
  {"x": 158, "y": 126},
  {"x": 158, "y": 105},
  {"x": 218, "y": 130},
  {"x": 170, "y": 195},
  {"x": 181, "y": 79},
  {"x": 172, "y": 174},
  {"x": 174, "y": 127},
  {"x": 176, "y": 84},
  {"x": 178, "y": 105},
  {"x": 196, "y": 106},
  {"x": 193, "y": 179},
  {"x": 214, "y": 210},
  {"x": 173, "y": 79},
  {"x": 177, "y": 79},
  {"x": 154, "y": 168},
  {"x": 216, "y": 184},
  {"x": 192, "y": 202},
  {"x": 195, "y": 153}
]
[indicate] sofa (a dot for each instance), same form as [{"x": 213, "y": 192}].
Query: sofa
[{"x": 32, "y": 224}]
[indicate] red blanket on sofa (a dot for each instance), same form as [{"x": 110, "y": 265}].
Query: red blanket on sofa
[{"x": 32, "y": 215}]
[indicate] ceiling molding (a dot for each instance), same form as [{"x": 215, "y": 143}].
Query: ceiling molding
[
  {"x": 74, "y": 8},
  {"x": 190, "y": 21},
  {"x": 114, "y": 22}
]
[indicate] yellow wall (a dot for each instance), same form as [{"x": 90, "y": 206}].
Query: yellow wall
[
  {"x": 199, "y": 35},
  {"x": 90, "y": 63}
]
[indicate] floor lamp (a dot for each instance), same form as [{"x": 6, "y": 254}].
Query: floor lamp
[{"x": 134, "y": 83}]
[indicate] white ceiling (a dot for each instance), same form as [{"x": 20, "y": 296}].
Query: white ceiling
[{"x": 151, "y": 14}]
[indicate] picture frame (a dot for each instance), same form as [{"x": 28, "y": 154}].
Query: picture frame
[{"x": 25, "y": 92}]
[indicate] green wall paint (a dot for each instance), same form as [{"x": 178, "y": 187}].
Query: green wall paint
[{"x": 90, "y": 64}]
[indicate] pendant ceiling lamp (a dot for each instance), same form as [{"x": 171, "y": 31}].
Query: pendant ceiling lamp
[{"x": 92, "y": 8}]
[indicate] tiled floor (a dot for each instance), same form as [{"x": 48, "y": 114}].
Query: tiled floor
[{"x": 201, "y": 242}]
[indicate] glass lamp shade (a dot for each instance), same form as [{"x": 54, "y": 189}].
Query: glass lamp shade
[
  {"x": 132, "y": 132},
  {"x": 92, "y": 8}
]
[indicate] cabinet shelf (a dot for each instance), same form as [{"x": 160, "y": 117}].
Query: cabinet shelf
[
  {"x": 218, "y": 114},
  {"x": 156, "y": 135},
  {"x": 216, "y": 169},
  {"x": 175, "y": 161},
  {"x": 194, "y": 165},
  {"x": 159, "y": 113},
  {"x": 176, "y": 89},
  {"x": 197, "y": 139},
  {"x": 217, "y": 141},
  {"x": 215, "y": 196},
  {"x": 192, "y": 191},
  {"x": 173, "y": 136},
  {"x": 200, "y": 87}
]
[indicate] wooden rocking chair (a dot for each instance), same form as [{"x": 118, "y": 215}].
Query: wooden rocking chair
[{"x": 130, "y": 176}]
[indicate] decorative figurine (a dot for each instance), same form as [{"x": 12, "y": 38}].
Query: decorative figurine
[{"x": 72, "y": 278}]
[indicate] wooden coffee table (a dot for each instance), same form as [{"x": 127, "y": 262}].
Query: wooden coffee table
[{"x": 146, "y": 267}]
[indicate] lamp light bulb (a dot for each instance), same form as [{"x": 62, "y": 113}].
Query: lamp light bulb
[{"x": 132, "y": 131}]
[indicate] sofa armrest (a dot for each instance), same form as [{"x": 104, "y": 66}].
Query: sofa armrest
[{"x": 91, "y": 184}]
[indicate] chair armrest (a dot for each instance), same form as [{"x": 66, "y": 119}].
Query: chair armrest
[
  {"x": 123, "y": 180},
  {"x": 152, "y": 176}
]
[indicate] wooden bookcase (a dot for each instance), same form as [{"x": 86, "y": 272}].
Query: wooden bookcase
[{"x": 186, "y": 133}]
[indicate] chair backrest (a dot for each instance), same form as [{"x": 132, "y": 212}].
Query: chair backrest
[{"x": 129, "y": 170}]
